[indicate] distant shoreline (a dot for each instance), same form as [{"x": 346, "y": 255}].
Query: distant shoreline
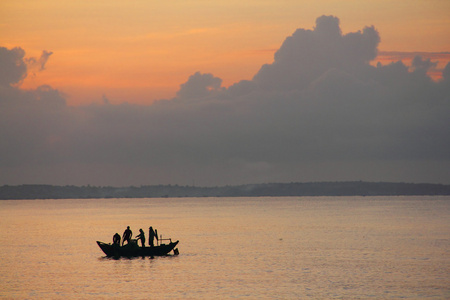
[{"x": 348, "y": 188}]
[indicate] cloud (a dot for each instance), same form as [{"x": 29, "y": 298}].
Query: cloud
[
  {"x": 439, "y": 60},
  {"x": 199, "y": 86},
  {"x": 12, "y": 66},
  {"x": 446, "y": 73},
  {"x": 307, "y": 54},
  {"x": 37, "y": 64},
  {"x": 40, "y": 63},
  {"x": 320, "y": 111},
  {"x": 421, "y": 65}
]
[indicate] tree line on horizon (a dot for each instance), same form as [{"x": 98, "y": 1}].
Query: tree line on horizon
[{"x": 354, "y": 188}]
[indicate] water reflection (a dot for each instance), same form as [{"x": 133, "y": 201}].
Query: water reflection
[{"x": 231, "y": 248}]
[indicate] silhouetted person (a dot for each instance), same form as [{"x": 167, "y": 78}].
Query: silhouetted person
[
  {"x": 127, "y": 234},
  {"x": 116, "y": 239},
  {"x": 151, "y": 236},
  {"x": 141, "y": 236}
]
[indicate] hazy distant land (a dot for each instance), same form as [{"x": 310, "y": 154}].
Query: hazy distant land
[{"x": 355, "y": 188}]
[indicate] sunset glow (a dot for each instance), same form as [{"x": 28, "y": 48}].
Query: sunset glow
[
  {"x": 141, "y": 51},
  {"x": 224, "y": 92}
]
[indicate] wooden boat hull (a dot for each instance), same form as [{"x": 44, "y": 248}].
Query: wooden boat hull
[{"x": 132, "y": 249}]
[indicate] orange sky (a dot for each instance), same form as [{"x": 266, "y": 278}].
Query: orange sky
[{"x": 142, "y": 50}]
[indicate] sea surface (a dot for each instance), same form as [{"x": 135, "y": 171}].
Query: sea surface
[{"x": 249, "y": 248}]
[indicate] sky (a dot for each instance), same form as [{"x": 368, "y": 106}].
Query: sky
[{"x": 224, "y": 92}]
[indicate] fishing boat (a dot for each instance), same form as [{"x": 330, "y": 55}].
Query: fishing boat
[{"x": 132, "y": 249}]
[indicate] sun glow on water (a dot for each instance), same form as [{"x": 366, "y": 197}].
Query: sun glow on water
[{"x": 320, "y": 247}]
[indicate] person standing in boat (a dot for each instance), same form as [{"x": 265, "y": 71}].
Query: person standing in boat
[
  {"x": 116, "y": 239},
  {"x": 151, "y": 236},
  {"x": 127, "y": 234},
  {"x": 141, "y": 236}
]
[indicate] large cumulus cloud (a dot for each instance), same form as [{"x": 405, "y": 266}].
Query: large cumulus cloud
[
  {"x": 307, "y": 54},
  {"x": 320, "y": 111}
]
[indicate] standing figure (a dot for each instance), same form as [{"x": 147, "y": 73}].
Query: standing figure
[
  {"x": 127, "y": 234},
  {"x": 141, "y": 236},
  {"x": 151, "y": 236},
  {"x": 116, "y": 239}
]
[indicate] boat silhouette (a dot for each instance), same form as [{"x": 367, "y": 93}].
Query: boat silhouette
[{"x": 132, "y": 249}]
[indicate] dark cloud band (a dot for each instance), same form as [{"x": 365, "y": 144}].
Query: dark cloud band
[{"x": 320, "y": 111}]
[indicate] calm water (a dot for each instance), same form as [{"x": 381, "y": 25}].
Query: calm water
[{"x": 276, "y": 248}]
